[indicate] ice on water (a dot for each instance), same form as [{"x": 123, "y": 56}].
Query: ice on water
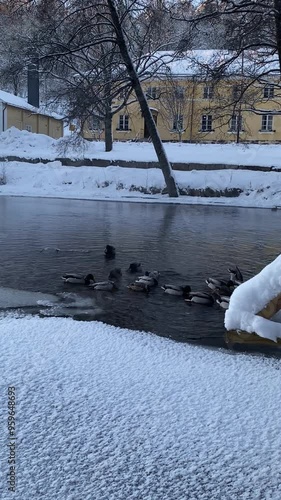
[{"x": 62, "y": 304}]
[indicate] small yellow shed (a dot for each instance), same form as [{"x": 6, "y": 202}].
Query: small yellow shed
[{"x": 16, "y": 112}]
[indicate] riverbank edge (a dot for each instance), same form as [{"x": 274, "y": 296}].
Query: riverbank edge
[{"x": 91, "y": 162}]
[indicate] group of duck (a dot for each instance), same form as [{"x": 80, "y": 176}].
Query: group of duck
[{"x": 220, "y": 290}]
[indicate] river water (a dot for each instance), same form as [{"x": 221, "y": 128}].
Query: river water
[{"x": 41, "y": 239}]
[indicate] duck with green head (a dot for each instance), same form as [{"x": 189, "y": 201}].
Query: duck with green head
[{"x": 78, "y": 279}]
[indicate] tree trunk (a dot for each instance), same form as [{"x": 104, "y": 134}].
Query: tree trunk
[
  {"x": 108, "y": 130},
  {"x": 277, "y": 16},
  {"x": 146, "y": 113}
]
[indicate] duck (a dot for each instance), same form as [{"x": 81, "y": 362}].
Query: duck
[
  {"x": 139, "y": 287},
  {"x": 177, "y": 290},
  {"x": 151, "y": 274},
  {"x": 224, "y": 290},
  {"x": 78, "y": 279},
  {"x": 147, "y": 280},
  {"x": 236, "y": 276},
  {"x": 109, "y": 252},
  {"x": 107, "y": 286},
  {"x": 223, "y": 301},
  {"x": 115, "y": 274},
  {"x": 203, "y": 298},
  {"x": 217, "y": 284},
  {"x": 134, "y": 267}
]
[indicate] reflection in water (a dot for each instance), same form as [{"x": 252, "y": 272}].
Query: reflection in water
[{"x": 41, "y": 239}]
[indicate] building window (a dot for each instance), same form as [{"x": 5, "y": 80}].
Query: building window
[
  {"x": 179, "y": 92},
  {"x": 178, "y": 123},
  {"x": 268, "y": 91},
  {"x": 152, "y": 93},
  {"x": 266, "y": 123},
  {"x": 28, "y": 128},
  {"x": 206, "y": 123},
  {"x": 94, "y": 123},
  {"x": 122, "y": 94},
  {"x": 208, "y": 92},
  {"x": 235, "y": 123},
  {"x": 123, "y": 122},
  {"x": 236, "y": 92}
]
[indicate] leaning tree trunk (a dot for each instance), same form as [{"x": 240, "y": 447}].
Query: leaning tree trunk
[{"x": 151, "y": 127}]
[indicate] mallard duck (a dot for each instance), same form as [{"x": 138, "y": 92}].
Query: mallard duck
[
  {"x": 151, "y": 274},
  {"x": 216, "y": 284},
  {"x": 236, "y": 276},
  {"x": 107, "y": 286},
  {"x": 78, "y": 279},
  {"x": 223, "y": 290},
  {"x": 134, "y": 267},
  {"x": 139, "y": 287},
  {"x": 109, "y": 252},
  {"x": 177, "y": 290},
  {"x": 147, "y": 280},
  {"x": 115, "y": 274},
  {"x": 203, "y": 298},
  {"x": 223, "y": 301}
]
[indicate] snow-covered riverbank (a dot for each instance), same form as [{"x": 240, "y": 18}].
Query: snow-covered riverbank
[{"x": 256, "y": 188}]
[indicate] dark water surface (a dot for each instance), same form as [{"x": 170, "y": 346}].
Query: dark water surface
[{"x": 186, "y": 244}]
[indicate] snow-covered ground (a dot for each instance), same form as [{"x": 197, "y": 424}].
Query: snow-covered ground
[
  {"x": 258, "y": 189},
  {"x": 28, "y": 145},
  {"x": 110, "y": 414}
]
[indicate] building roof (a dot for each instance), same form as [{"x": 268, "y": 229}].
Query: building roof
[
  {"x": 204, "y": 62},
  {"x": 20, "y": 102}
]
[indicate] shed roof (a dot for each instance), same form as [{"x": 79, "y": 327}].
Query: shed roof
[{"x": 20, "y": 102}]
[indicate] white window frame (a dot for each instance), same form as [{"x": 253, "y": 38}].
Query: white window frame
[
  {"x": 179, "y": 92},
  {"x": 208, "y": 92},
  {"x": 94, "y": 123},
  {"x": 123, "y": 123},
  {"x": 267, "y": 123},
  {"x": 178, "y": 123},
  {"x": 233, "y": 123},
  {"x": 268, "y": 91},
  {"x": 206, "y": 123},
  {"x": 152, "y": 93}
]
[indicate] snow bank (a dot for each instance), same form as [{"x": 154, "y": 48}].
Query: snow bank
[
  {"x": 258, "y": 189},
  {"x": 250, "y": 298},
  {"x": 28, "y": 145}
]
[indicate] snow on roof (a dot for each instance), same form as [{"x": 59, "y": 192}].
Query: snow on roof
[
  {"x": 203, "y": 62},
  {"x": 20, "y": 102},
  {"x": 250, "y": 298}
]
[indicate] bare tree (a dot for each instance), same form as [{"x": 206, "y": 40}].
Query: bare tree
[
  {"x": 136, "y": 86},
  {"x": 94, "y": 42},
  {"x": 176, "y": 100}
]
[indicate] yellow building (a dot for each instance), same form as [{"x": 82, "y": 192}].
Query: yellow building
[
  {"x": 16, "y": 112},
  {"x": 188, "y": 106}
]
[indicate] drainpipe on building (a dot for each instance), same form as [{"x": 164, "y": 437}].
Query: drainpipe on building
[
  {"x": 192, "y": 110},
  {"x": 3, "y": 117}
]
